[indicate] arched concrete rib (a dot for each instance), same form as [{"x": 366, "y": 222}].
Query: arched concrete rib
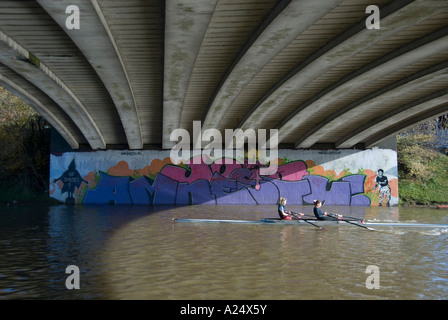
[
  {"x": 280, "y": 28},
  {"x": 185, "y": 26},
  {"x": 394, "y": 18},
  {"x": 40, "y": 107},
  {"x": 283, "y": 25},
  {"x": 403, "y": 125},
  {"x": 401, "y": 61},
  {"x": 407, "y": 115},
  {"x": 97, "y": 45},
  {"x": 20, "y": 60}
]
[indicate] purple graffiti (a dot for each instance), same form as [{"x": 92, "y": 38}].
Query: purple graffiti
[
  {"x": 294, "y": 191},
  {"x": 335, "y": 192},
  {"x": 228, "y": 184},
  {"x": 112, "y": 190}
]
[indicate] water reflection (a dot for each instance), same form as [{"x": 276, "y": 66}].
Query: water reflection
[{"x": 132, "y": 252}]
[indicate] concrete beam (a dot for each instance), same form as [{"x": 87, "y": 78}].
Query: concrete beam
[
  {"x": 96, "y": 43},
  {"x": 289, "y": 19},
  {"x": 395, "y": 17},
  {"x": 26, "y": 65},
  {"x": 339, "y": 118},
  {"x": 40, "y": 107},
  {"x": 404, "y": 125},
  {"x": 217, "y": 59},
  {"x": 382, "y": 127},
  {"x": 185, "y": 26}
]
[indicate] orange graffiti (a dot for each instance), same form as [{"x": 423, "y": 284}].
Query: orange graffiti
[
  {"x": 120, "y": 170},
  {"x": 393, "y": 183},
  {"x": 90, "y": 177}
]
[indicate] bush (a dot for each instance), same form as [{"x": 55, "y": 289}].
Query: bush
[
  {"x": 422, "y": 168},
  {"x": 24, "y": 152}
]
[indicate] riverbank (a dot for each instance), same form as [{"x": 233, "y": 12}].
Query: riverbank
[
  {"x": 423, "y": 176},
  {"x": 16, "y": 195}
]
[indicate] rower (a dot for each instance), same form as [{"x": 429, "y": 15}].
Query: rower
[
  {"x": 285, "y": 215},
  {"x": 321, "y": 215}
]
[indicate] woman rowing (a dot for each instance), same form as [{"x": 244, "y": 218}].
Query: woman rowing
[
  {"x": 285, "y": 215},
  {"x": 321, "y": 215}
]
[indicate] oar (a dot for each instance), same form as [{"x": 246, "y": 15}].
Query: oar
[
  {"x": 295, "y": 216},
  {"x": 334, "y": 215},
  {"x": 358, "y": 219},
  {"x": 331, "y": 215},
  {"x": 308, "y": 215},
  {"x": 359, "y": 225}
]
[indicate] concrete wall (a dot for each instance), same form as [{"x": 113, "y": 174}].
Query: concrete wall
[{"x": 338, "y": 177}]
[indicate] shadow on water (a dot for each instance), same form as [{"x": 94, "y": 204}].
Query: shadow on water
[{"x": 38, "y": 243}]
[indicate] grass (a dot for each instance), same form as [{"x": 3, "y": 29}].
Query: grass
[{"x": 423, "y": 176}]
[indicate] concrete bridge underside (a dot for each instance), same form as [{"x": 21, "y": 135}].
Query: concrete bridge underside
[{"x": 136, "y": 70}]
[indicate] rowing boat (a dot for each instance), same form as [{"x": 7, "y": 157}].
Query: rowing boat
[{"x": 315, "y": 222}]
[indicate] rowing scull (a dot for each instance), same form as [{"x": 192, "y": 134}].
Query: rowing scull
[{"x": 303, "y": 222}]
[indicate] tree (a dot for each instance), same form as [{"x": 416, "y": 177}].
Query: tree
[{"x": 24, "y": 138}]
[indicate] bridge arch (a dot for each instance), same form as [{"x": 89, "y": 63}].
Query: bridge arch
[{"x": 136, "y": 70}]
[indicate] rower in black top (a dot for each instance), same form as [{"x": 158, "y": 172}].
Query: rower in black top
[{"x": 321, "y": 215}]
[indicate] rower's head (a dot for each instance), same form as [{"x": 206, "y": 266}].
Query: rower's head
[
  {"x": 282, "y": 201},
  {"x": 317, "y": 203}
]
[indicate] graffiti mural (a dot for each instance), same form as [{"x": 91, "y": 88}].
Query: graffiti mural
[{"x": 136, "y": 179}]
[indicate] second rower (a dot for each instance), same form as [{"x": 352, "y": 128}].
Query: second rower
[{"x": 321, "y": 215}]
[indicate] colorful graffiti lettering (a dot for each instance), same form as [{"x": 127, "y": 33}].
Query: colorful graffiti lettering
[{"x": 163, "y": 182}]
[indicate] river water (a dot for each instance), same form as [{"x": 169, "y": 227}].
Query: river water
[{"x": 138, "y": 252}]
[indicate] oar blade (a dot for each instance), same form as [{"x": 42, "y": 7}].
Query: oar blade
[
  {"x": 359, "y": 225},
  {"x": 321, "y": 228}
]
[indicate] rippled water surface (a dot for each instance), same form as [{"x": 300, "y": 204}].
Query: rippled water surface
[{"x": 138, "y": 252}]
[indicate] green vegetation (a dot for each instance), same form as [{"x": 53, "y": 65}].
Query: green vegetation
[
  {"x": 24, "y": 152},
  {"x": 423, "y": 164}
]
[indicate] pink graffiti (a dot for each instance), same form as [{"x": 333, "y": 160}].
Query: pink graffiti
[
  {"x": 292, "y": 171},
  {"x": 188, "y": 173},
  {"x": 246, "y": 172}
]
